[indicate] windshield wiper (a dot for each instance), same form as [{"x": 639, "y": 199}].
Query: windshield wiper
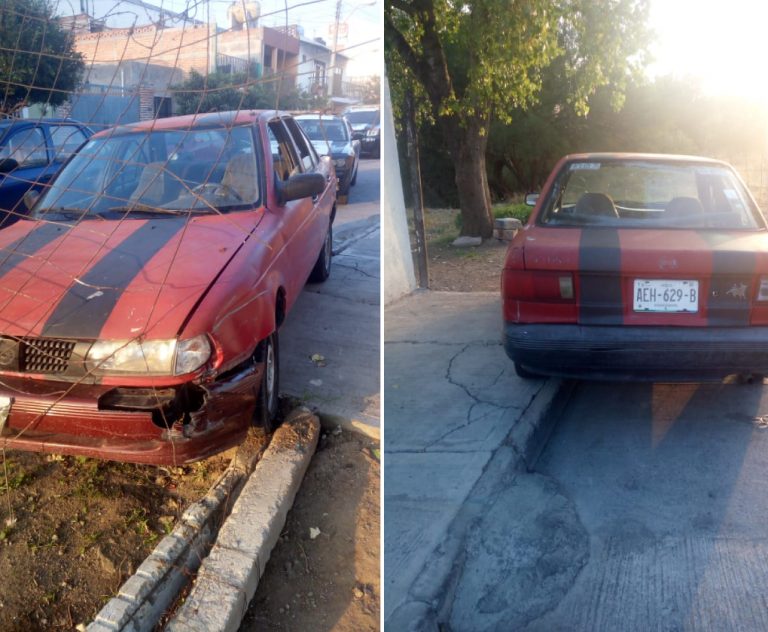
[
  {"x": 64, "y": 211},
  {"x": 146, "y": 208}
]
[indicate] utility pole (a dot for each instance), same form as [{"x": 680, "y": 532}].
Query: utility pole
[
  {"x": 333, "y": 50},
  {"x": 412, "y": 143}
]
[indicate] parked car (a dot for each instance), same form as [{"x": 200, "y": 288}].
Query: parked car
[
  {"x": 639, "y": 266},
  {"x": 366, "y": 127},
  {"x": 144, "y": 295},
  {"x": 332, "y": 136},
  {"x": 31, "y": 153}
]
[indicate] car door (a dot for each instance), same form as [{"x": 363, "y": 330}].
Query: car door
[
  {"x": 27, "y": 145},
  {"x": 297, "y": 217}
]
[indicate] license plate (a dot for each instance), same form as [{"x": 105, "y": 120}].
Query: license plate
[{"x": 666, "y": 295}]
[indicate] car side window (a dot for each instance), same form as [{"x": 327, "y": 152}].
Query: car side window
[
  {"x": 309, "y": 158},
  {"x": 27, "y": 147},
  {"x": 66, "y": 139},
  {"x": 284, "y": 157}
]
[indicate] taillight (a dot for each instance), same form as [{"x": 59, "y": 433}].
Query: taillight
[{"x": 523, "y": 285}]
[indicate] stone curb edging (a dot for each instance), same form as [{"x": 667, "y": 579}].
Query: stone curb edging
[
  {"x": 229, "y": 575},
  {"x": 151, "y": 590},
  {"x": 432, "y": 591},
  {"x": 148, "y": 594}
]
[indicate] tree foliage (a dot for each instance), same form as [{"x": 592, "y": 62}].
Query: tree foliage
[
  {"x": 219, "y": 91},
  {"x": 483, "y": 60},
  {"x": 38, "y": 63}
]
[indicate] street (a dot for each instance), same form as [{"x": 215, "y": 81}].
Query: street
[
  {"x": 337, "y": 322},
  {"x": 647, "y": 511}
]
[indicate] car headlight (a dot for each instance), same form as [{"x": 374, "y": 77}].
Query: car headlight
[
  {"x": 341, "y": 162},
  {"x": 148, "y": 357},
  {"x": 374, "y": 131}
]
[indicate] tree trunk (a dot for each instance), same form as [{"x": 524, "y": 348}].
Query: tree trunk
[{"x": 466, "y": 145}]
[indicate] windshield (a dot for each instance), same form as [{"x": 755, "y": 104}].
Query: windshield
[
  {"x": 624, "y": 193},
  {"x": 160, "y": 171},
  {"x": 332, "y": 130},
  {"x": 360, "y": 117}
]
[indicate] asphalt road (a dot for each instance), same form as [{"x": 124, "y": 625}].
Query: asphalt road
[
  {"x": 646, "y": 511},
  {"x": 337, "y": 322}
]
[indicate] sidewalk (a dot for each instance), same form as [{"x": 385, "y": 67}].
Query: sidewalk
[{"x": 452, "y": 400}]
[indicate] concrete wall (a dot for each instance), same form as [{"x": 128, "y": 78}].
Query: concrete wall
[{"x": 397, "y": 263}]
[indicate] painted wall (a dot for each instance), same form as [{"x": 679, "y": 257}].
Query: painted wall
[{"x": 397, "y": 262}]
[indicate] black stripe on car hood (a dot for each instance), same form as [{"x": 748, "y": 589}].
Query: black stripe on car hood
[{"x": 86, "y": 307}]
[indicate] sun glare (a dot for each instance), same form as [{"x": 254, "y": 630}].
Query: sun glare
[{"x": 722, "y": 44}]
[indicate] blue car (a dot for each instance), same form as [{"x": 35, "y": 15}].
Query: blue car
[{"x": 32, "y": 151}]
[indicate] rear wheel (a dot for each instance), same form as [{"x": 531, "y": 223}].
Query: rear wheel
[
  {"x": 322, "y": 269},
  {"x": 267, "y": 401}
]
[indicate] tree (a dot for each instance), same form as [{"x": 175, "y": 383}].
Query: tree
[
  {"x": 220, "y": 91},
  {"x": 38, "y": 63},
  {"x": 479, "y": 60}
]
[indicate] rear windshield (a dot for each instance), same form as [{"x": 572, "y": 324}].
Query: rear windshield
[
  {"x": 332, "y": 130},
  {"x": 650, "y": 194}
]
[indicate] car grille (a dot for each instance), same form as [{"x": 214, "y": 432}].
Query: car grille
[
  {"x": 36, "y": 355},
  {"x": 45, "y": 355}
]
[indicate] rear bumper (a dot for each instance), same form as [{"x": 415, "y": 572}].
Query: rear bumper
[
  {"x": 625, "y": 353},
  {"x": 45, "y": 418}
]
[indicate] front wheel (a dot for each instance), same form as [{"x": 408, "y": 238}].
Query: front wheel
[
  {"x": 524, "y": 373},
  {"x": 267, "y": 401},
  {"x": 322, "y": 269}
]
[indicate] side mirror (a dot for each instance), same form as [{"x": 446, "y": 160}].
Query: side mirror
[
  {"x": 531, "y": 199},
  {"x": 8, "y": 164},
  {"x": 302, "y": 185},
  {"x": 30, "y": 198}
]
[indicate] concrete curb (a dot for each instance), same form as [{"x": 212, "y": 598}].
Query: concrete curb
[
  {"x": 229, "y": 576},
  {"x": 347, "y": 234},
  {"x": 431, "y": 594},
  {"x": 151, "y": 590}
]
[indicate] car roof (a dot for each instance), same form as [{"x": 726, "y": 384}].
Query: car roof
[
  {"x": 629, "y": 156},
  {"x": 5, "y": 123},
  {"x": 193, "y": 121}
]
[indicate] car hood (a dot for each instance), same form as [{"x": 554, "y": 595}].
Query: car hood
[{"x": 113, "y": 279}]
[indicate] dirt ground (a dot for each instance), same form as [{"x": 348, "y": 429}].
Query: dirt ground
[
  {"x": 327, "y": 580},
  {"x": 74, "y": 529},
  {"x": 472, "y": 269}
]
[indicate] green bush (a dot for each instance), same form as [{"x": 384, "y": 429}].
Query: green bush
[{"x": 519, "y": 210}]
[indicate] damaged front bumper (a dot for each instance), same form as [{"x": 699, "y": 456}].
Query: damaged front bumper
[{"x": 156, "y": 425}]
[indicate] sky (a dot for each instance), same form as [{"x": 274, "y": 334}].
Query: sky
[{"x": 720, "y": 42}]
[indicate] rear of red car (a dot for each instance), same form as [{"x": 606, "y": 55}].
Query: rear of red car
[{"x": 639, "y": 266}]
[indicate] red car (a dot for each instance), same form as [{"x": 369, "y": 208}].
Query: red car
[
  {"x": 140, "y": 304},
  {"x": 636, "y": 266}
]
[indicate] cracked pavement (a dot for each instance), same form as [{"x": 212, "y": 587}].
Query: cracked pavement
[
  {"x": 452, "y": 402},
  {"x": 339, "y": 319}
]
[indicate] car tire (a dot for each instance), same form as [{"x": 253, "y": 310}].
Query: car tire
[
  {"x": 267, "y": 401},
  {"x": 322, "y": 269},
  {"x": 524, "y": 373},
  {"x": 354, "y": 178}
]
